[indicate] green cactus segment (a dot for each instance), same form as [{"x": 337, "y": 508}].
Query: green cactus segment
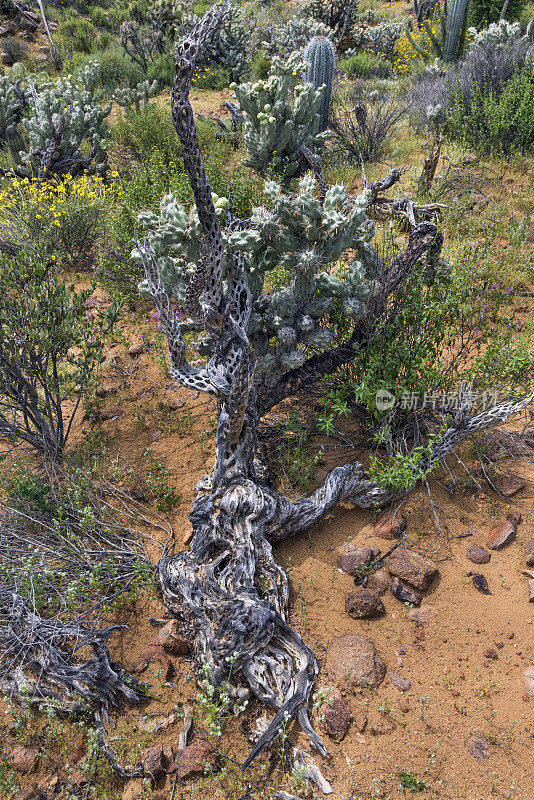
[
  {"x": 320, "y": 56},
  {"x": 456, "y": 26},
  {"x": 136, "y": 99},
  {"x": 299, "y": 237},
  {"x": 273, "y": 137},
  {"x": 10, "y": 107}
]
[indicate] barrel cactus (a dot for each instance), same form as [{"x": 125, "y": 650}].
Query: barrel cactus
[{"x": 320, "y": 57}]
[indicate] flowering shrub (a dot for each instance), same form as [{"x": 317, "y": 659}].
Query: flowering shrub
[{"x": 60, "y": 220}]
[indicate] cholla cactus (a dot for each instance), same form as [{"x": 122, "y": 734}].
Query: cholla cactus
[
  {"x": 321, "y": 58},
  {"x": 293, "y": 35},
  {"x": 501, "y": 32},
  {"x": 232, "y": 49},
  {"x": 280, "y": 117},
  {"x": 136, "y": 98},
  {"x": 10, "y": 106},
  {"x": 382, "y": 39},
  {"x": 63, "y": 117},
  {"x": 302, "y": 234}
]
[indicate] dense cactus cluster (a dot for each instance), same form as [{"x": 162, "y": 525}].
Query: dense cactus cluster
[
  {"x": 63, "y": 125},
  {"x": 281, "y": 116},
  {"x": 136, "y": 99},
  {"x": 11, "y": 104},
  {"x": 288, "y": 37},
  {"x": 302, "y": 234}
]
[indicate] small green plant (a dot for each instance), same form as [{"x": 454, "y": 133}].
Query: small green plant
[
  {"x": 411, "y": 782},
  {"x": 215, "y": 702},
  {"x": 296, "y": 464},
  {"x": 166, "y": 496}
]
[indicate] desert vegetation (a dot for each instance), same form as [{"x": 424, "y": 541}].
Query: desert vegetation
[{"x": 266, "y": 399}]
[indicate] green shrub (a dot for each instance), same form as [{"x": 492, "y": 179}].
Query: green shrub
[
  {"x": 116, "y": 69},
  {"x": 162, "y": 70},
  {"x": 76, "y": 34},
  {"x": 260, "y": 66},
  {"x": 363, "y": 65},
  {"x": 211, "y": 76},
  {"x": 496, "y": 122},
  {"x": 457, "y": 328},
  {"x": 48, "y": 350}
]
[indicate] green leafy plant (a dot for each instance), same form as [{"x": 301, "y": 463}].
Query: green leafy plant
[
  {"x": 411, "y": 782},
  {"x": 48, "y": 348}
]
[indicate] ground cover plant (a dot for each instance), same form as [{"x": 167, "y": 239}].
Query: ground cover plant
[{"x": 266, "y": 279}]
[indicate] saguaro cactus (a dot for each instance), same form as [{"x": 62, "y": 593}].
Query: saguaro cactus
[
  {"x": 456, "y": 27},
  {"x": 320, "y": 55}
]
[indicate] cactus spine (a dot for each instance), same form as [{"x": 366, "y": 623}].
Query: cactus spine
[
  {"x": 456, "y": 27},
  {"x": 319, "y": 54}
]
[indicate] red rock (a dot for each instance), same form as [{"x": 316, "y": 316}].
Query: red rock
[
  {"x": 176, "y": 404},
  {"x": 423, "y": 615},
  {"x": 391, "y": 525},
  {"x": 136, "y": 349},
  {"x": 503, "y": 532},
  {"x": 401, "y": 683},
  {"x": 354, "y": 559},
  {"x": 359, "y": 719},
  {"x": 155, "y": 436},
  {"x": 404, "y": 593},
  {"x": 490, "y": 653},
  {"x": 153, "y": 762},
  {"x": 363, "y": 604},
  {"x": 193, "y": 759},
  {"x": 528, "y": 675},
  {"x": 529, "y": 551},
  {"x": 478, "y": 555},
  {"x": 378, "y": 582},
  {"x": 172, "y": 641},
  {"x": 334, "y": 716},
  {"x": 412, "y": 568},
  {"x": 25, "y": 758},
  {"x": 352, "y": 661},
  {"x": 508, "y": 485},
  {"x": 154, "y": 654}
]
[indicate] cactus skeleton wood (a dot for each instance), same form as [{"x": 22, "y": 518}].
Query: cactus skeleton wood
[{"x": 227, "y": 582}]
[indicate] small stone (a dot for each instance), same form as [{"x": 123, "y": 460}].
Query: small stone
[
  {"x": 528, "y": 675},
  {"x": 404, "y": 593},
  {"x": 104, "y": 391},
  {"x": 390, "y": 526},
  {"x": 153, "y": 762},
  {"x": 352, "y": 661},
  {"x": 155, "y": 436},
  {"x": 172, "y": 641},
  {"x": 363, "y": 604},
  {"x": 481, "y": 585},
  {"x": 334, "y": 716},
  {"x": 136, "y": 349},
  {"x": 193, "y": 759},
  {"x": 402, "y": 684},
  {"x": 378, "y": 582},
  {"x": 359, "y": 719},
  {"x": 412, "y": 568},
  {"x": 175, "y": 404},
  {"x": 478, "y": 747},
  {"x": 404, "y": 705},
  {"x": 380, "y": 729},
  {"x": 423, "y": 615},
  {"x": 478, "y": 555},
  {"x": 508, "y": 485},
  {"x": 490, "y": 653},
  {"x": 25, "y": 758},
  {"x": 503, "y": 532},
  {"x": 531, "y": 590},
  {"x": 355, "y": 559},
  {"x": 529, "y": 551}
]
